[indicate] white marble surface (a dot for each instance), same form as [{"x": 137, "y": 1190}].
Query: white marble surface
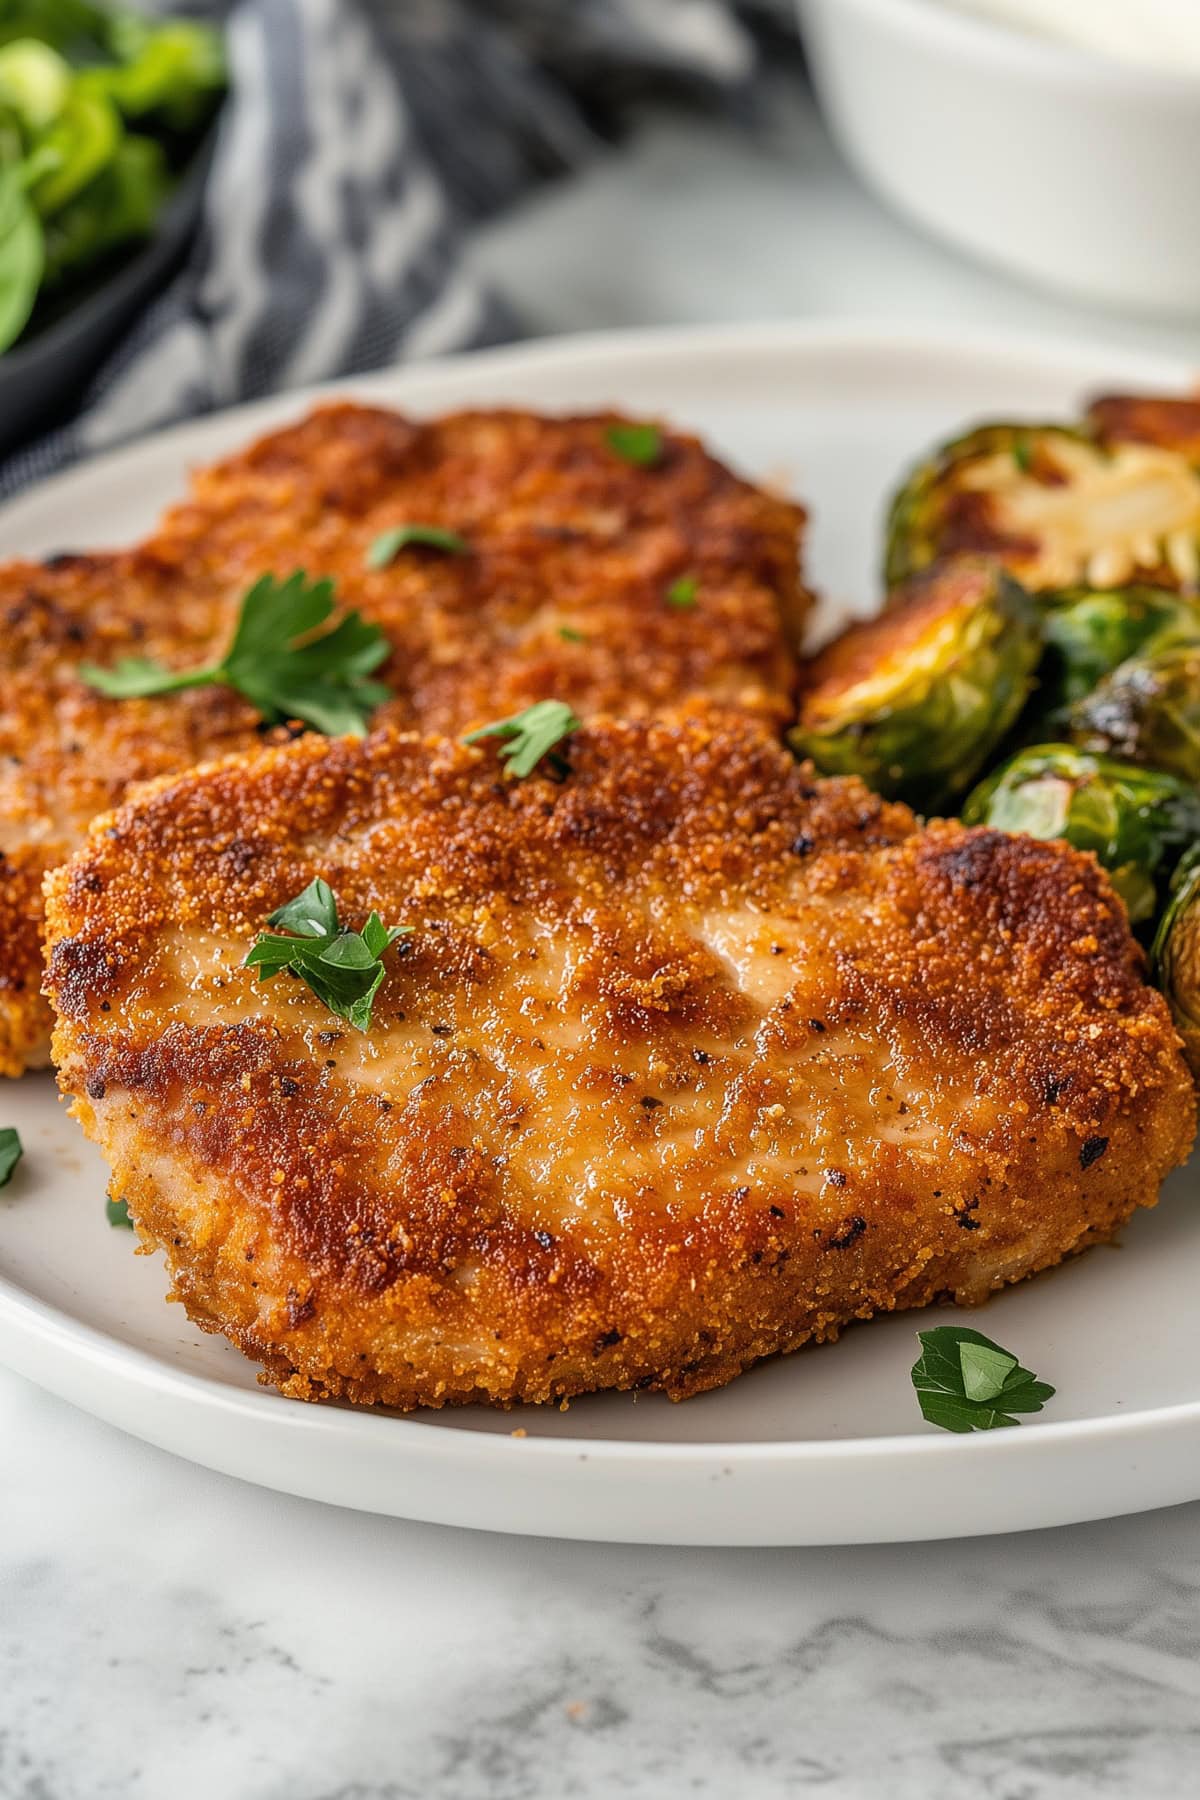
[{"x": 167, "y": 1632}]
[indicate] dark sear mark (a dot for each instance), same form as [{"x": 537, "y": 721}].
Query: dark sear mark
[
  {"x": 1091, "y": 1150},
  {"x": 848, "y": 1232}
]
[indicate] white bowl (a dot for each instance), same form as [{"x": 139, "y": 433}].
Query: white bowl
[{"x": 1073, "y": 171}]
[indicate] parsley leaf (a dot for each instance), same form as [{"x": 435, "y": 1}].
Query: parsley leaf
[
  {"x": 641, "y": 445},
  {"x": 532, "y": 734},
  {"x": 964, "y": 1382},
  {"x": 276, "y": 662},
  {"x": 388, "y": 544},
  {"x": 10, "y": 1153},
  {"x": 343, "y": 968},
  {"x": 117, "y": 1213},
  {"x": 1022, "y": 454},
  {"x": 569, "y": 635},
  {"x": 682, "y": 593}
]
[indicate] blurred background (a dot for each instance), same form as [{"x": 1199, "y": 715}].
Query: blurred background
[{"x": 297, "y": 189}]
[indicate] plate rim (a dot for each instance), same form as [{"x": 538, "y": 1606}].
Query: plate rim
[{"x": 28, "y": 1319}]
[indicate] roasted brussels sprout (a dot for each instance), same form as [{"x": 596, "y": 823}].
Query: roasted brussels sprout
[
  {"x": 914, "y": 700},
  {"x": 1054, "y": 506},
  {"x": 1147, "y": 711},
  {"x": 1088, "y": 632},
  {"x": 1176, "y": 954},
  {"x": 1134, "y": 820}
]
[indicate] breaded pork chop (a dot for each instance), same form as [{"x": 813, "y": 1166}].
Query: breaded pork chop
[
  {"x": 572, "y": 550},
  {"x": 689, "y": 1058}
]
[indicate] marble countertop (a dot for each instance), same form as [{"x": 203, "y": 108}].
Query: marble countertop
[{"x": 165, "y": 1631}]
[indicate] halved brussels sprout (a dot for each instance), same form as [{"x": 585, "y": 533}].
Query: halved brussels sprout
[
  {"x": 1054, "y": 506},
  {"x": 1147, "y": 711},
  {"x": 1176, "y": 954},
  {"x": 1134, "y": 820},
  {"x": 914, "y": 700},
  {"x": 1088, "y": 632}
]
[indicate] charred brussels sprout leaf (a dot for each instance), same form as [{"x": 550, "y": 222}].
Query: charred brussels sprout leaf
[
  {"x": 1147, "y": 711},
  {"x": 914, "y": 700},
  {"x": 1134, "y": 820},
  {"x": 1053, "y": 505},
  {"x": 1176, "y": 954},
  {"x": 1088, "y": 632}
]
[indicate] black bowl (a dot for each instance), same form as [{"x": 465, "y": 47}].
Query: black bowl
[{"x": 42, "y": 376}]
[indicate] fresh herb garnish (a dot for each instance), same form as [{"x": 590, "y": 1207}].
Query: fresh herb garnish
[
  {"x": 388, "y": 544},
  {"x": 343, "y": 968},
  {"x": 532, "y": 734},
  {"x": 964, "y": 1382},
  {"x": 641, "y": 445},
  {"x": 1022, "y": 454},
  {"x": 117, "y": 1213},
  {"x": 569, "y": 635},
  {"x": 10, "y": 1153},
  {"x": 682, "y": 593},
  {"x": 276, "y": 663}
]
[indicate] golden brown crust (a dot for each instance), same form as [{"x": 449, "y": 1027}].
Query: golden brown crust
[
  {"x": 1171, "y": 423},
  {"x": 564, "y": 534},
  {"x": 689, "y": 1059}
]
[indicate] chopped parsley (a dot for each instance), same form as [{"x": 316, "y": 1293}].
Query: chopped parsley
[
  {"x": 641, "y": 445},
  {"x": 117, "y": 1213},
  {"x": 1022, "y": 454},
  {"x": 569, "y": 635},
  {"x": 531, "y": 735},
  {"x": 388, "y": 545},
  {"x": 964, "y": 1382},
  {"x": 10, "y": 1153},
  {"x": 682, "y": 593},
  {"x": 343, "y": 968},
  {"x": 277, "y": 662}
]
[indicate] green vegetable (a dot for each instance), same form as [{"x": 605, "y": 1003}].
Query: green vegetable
[
  {"x": 388, "y": 544},
  {"x": 1147, "y": 711},
  {"x": 81, "y": 143},
  {"x": 276, "y": 662},
  {"x": 71, "y": 75},
  {"x": 174, "y": 69},
  {"x": 913, "y": 701},
  {"x": 343, "y": 968},
  {"x": 638, "y": 444},
  {"x": 10, "y": 1153},
  {"x": 965, "y": 1382},
  {"x": 1134, "y": 820},
  {"x": 531, "y": 735},
  {"x": 22, "y": 253},
  {"x": 682, "y": 593},
  {"x": 1088, "y": 632},
  {"x": 118, "y": 208},
  {"x": 1176, "y": 953},
  {"x": 569, "y": 635},
  {"x": 117, "y": 1213},
  {"x": 34, "y": 83},
  {"x": 1054, "y": 506}
]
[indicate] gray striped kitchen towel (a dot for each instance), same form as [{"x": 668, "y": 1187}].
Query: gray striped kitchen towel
[{"x": 359, "y": 141}]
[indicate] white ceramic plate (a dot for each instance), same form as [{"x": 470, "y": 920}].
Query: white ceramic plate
[{"x": 823, "y": 1447}]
